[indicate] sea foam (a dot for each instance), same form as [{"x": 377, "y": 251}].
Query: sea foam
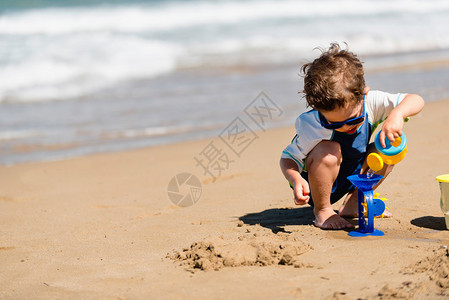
[{"x": 58, "y": 53}]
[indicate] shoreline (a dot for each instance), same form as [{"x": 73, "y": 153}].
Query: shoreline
[{"x": 203, "y": 137}]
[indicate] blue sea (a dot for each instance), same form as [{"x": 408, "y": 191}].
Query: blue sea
[{"x": 79, "y": 76}]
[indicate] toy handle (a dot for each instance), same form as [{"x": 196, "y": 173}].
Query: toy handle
[{"x": 391, "y": 149}]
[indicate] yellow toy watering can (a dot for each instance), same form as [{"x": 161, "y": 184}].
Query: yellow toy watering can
[{"x": 390, "y": 155}]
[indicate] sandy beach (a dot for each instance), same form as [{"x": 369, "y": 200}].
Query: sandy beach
[
  {"x": 138, "y": 159},
  {"x": 103, "y": 227}
]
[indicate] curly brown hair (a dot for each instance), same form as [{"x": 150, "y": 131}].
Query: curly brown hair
[{"x": 333, "y": 80}]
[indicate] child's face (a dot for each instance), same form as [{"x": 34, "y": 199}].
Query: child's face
[{"x": 343, "y": 114}]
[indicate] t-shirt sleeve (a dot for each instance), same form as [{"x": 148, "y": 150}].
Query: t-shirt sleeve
[
  {"x": 380, "y": 104},
  {"x": 309, "y": 133}
]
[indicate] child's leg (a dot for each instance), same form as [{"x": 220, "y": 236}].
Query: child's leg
[
  {"x": 349, "y": 208},
  {"x": 323, "y": 165}
]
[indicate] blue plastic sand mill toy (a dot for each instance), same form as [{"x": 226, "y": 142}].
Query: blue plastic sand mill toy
[{"x": 374, "y": 207}]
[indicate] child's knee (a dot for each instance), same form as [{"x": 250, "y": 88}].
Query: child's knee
[{"x": 326, "y": 153}]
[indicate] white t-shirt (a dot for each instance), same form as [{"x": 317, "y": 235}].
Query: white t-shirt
[{"x": 309, "y": 131}]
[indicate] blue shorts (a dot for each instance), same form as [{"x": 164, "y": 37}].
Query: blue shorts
[{"x": 342, "y": 185}]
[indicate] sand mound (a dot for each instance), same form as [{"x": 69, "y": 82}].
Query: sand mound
[
  {"x": 436, "y": 265},
  {"x": 406, "y": 291},
  {"x": 214, "y": 256}
]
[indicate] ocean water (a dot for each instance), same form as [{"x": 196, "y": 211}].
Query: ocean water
[{"x": 80, "y": 76}]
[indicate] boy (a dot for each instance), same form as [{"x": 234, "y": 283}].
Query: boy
[{"x": 332, "y": 139}]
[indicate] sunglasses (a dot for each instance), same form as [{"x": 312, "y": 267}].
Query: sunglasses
[{"x": 353, "y": 121}]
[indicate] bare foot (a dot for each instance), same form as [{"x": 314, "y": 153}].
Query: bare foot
[
  {"x": 350, "y": 207},
  {"x": 326, "y": 218}
]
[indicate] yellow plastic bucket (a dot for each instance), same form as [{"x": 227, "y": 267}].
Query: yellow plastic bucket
[{"x": 444, "y": 200}]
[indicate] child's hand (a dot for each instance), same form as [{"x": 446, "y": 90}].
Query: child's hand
[
  {"x": 392, "y": 128},
  {"x": 301, "y": 191}
]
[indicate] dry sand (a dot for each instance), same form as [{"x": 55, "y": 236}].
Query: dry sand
[{"x": 102, "y": 226}]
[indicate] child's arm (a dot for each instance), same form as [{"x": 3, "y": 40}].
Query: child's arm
[
  {"x": 392, "y": 128},
  {"x": 300, "y": 185}
]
